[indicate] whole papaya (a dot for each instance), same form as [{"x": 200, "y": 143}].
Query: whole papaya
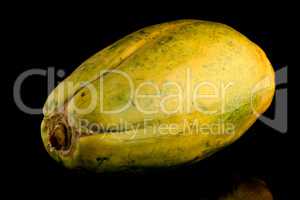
[{"x": 165, "y": 95}]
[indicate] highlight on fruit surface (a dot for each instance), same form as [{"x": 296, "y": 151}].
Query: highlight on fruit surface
[{"x": 165, "y": 95}]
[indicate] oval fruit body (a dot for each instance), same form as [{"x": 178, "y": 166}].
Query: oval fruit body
[{"x": 165, "y": 95}]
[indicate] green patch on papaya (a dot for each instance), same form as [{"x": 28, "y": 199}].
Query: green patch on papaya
[{"x": 237, "y": 116}]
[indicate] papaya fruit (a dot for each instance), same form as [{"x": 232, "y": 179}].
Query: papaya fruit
[{"x": 165, "y": 95}]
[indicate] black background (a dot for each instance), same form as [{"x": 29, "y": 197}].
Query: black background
[{"x": 63, "y": 36}]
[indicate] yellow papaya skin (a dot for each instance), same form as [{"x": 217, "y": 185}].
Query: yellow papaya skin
[{"x": 186, "y": 52}]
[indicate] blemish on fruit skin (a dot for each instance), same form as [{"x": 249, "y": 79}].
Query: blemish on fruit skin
[
  {"x": 100, "y": 160},
  {"x": 207, "y": 144},
  {"x": 132, "y": 103},
  {"x": 143, "y": 33},
  {"x": 230, "y": 43}
]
